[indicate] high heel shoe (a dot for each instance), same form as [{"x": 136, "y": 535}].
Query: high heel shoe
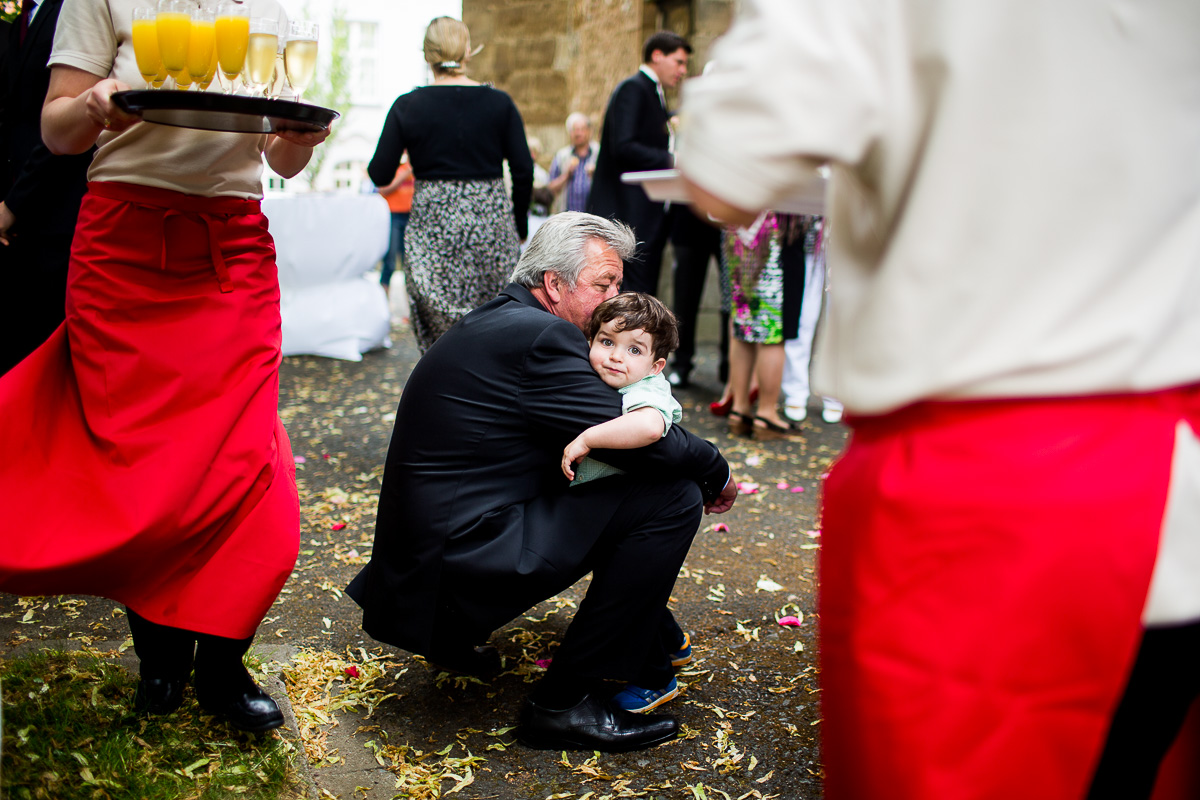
[
  {"x": 740, "y": 424},
  {"x": 722, "y": 407}
]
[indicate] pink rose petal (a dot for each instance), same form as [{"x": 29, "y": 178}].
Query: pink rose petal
[
  {"x": 781, "y": 485},
  {"x": 337, "y": 526},
  {"x": 352, "y": 671},
  {"x": 301, "y": 460},
  {"x": 797, "y": 489},
  {"x": 543, "y": 662},
  {"x": 720, "y": 527},
  {"x": 748, "y": 488},
  {"x": 789, "y": 622}
]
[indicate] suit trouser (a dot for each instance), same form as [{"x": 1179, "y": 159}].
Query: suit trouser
[
  {"x": 643, "y": 270},
  {"x": 691, "y": 271},
  {"x": 35, "y": 269},
  {"x": 622, "y": 630}
]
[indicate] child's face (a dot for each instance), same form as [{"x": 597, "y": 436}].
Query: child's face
[{"x": 622, "y": 358}]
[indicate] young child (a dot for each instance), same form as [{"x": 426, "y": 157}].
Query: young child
[{"x": 632, "y": 334}]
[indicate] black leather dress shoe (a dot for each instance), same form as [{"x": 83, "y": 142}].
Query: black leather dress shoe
[
  {"x": 248, "y": 708},
  {"x": 593, "y": 724},
  {"x": 158, "y": 695},
  {"x": 482, "y": 662}
]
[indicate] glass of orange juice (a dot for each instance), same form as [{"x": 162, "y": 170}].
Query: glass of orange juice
[
  {"x": 145, "y": 45},
  {"x": 233, "y": 39},
  {"x": 174, "y": 24},
  {"x": 202, "y": 44}
]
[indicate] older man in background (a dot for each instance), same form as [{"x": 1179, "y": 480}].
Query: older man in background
[{"x": 573, "y": 165}]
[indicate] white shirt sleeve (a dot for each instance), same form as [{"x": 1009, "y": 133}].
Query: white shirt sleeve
[{"x": 794, "y": 82}]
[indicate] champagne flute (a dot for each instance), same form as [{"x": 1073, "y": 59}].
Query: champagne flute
[
  {"x": 260, "y": 57},
  {"x": 278, "y": 77},
  {"x": 145, "y": 45},
  {"x": 174, "y": 24},
  {"x": 233, "y": 39},
  {"x": 300, "y": 56},
  {"x": 202, "y": 44},
  {"x": 209, "y": 76}
]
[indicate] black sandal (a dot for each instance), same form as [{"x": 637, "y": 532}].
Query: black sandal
[
  {"x": 740, "y": 424},
  {"x": 771, "y": 430}
]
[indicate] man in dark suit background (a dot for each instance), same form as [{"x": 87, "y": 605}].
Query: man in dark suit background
[
  {"x": 636, "y": 138},
  {"x": 40, "y": 193},
  {"x": 477, "y": 523}
]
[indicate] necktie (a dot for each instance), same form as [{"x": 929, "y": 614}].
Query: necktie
[{"x": 26, "y": 12}]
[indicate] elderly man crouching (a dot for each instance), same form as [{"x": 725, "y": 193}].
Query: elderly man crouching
[{"x": 476, "y": 523}]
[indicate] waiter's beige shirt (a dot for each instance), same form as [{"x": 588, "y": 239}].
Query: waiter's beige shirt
[
  {"x": 1015, "y": 202},
  {"x": 96, "y": 36}
]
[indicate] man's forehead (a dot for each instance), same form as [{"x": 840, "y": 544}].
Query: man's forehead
[{"x": 602, "y": 262}]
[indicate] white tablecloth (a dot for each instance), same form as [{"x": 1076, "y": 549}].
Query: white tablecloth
[{"x": 325, "y": 245}]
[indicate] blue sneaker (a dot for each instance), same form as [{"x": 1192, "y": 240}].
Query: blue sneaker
[
  {"x": 684, "y": 654},
  {"x": 636, "y": 699}
]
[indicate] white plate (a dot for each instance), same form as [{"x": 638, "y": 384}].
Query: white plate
[{"x": 666, "y": 185}]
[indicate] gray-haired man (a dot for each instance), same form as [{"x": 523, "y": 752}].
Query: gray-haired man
[{"x": 477, "y": 524}]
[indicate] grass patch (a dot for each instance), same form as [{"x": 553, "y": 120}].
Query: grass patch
[{"x": 70, "y": 732}]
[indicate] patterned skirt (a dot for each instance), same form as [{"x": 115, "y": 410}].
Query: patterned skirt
[{"x": 460, "y": 248}]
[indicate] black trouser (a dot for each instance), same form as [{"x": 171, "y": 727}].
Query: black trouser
[
  {"x": 622, "y": 630},
  {"x": 35, "y": 288},
  {"x": 166, "y": 652},
  {"x": 691, "y": 271},
  {"x": 1162, "y": 686},
  {"x": 643, "y": 270}
]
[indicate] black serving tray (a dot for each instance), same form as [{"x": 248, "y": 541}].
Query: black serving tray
[{"x": 211, "y": 111}]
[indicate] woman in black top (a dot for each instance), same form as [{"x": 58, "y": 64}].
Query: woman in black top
[{"x": 464, "y": 233}]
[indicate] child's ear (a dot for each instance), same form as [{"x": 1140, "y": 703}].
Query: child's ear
[{"x": 658, "y": 366}]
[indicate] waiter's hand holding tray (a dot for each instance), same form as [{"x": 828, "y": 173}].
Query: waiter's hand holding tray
[
  {"x": 211, "y": 111},
  {"x": 666, "y": 185}
]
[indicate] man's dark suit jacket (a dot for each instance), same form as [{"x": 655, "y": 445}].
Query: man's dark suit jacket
[
  {"x": 634, "y": 139},
  {"x": 43, "y": 191},
  {"x": 476, "y": 521}
]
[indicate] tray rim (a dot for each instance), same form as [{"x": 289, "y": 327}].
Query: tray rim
[{"x": 286, "y": 111}]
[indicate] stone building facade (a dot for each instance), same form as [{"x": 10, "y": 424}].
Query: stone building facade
[{"x": 559, "y": 56}]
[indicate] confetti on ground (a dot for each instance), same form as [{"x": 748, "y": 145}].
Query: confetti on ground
[{"x": 768, "y": 585}]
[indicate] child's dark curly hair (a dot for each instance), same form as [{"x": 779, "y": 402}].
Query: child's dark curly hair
[{"x": 634, "y": 310}]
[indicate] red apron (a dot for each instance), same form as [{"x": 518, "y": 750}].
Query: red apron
[
  {"x": 984, "y": 571},
  {"x": 144, "y": 459}
]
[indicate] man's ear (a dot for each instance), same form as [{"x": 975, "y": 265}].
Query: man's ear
[
  {"x": 553, "y": 286},
  {"x": 658, "y": 366}
]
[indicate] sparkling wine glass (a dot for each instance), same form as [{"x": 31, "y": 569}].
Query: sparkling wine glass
[
  {"x": 260, "y": 56},
  {"x": 300, "y": 56}
]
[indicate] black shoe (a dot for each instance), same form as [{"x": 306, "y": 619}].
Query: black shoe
[
  {"x": 592, "y": 724},
  {"x": 158, "y": 695},
  {"x": 247, "y": 707},
  {"x": 482, "y": 662}
]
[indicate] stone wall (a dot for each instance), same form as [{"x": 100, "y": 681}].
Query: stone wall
[{"x": 559, "y": 56}]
